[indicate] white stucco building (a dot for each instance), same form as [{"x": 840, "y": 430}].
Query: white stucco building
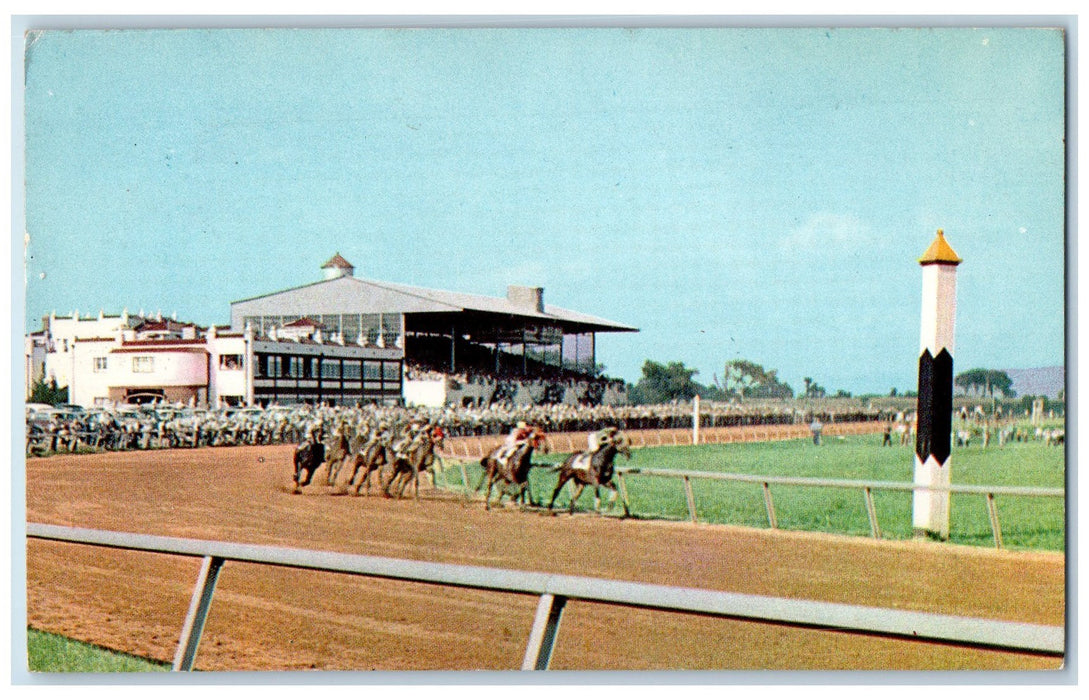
[{"x": 123, "y": 359}]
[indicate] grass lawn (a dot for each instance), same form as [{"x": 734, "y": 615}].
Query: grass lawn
[
  {"x": 1026, "y": 522},
  {"x": 51, "y": 653}
]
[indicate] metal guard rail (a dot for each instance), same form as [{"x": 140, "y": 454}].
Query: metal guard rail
[
  {"x": 845, "y": 483},
  {"x": 867, "y": 487},
  {"x": 554, "y": 590}
]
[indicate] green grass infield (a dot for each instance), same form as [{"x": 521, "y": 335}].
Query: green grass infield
[{"x": 1026, "y": 522}]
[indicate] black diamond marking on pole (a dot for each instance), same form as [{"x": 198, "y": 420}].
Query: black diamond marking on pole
[{"x": 935, "y": 407}]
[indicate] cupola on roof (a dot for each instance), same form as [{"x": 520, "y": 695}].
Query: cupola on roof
[{"x": 337, "y": 266}]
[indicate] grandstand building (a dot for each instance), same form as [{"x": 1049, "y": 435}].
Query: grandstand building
[
  {"x": 338, "y": 341},
  {"x": 458, "y": 348}
]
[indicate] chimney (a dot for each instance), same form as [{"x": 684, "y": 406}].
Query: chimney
[{"x": 528, "y": 298}]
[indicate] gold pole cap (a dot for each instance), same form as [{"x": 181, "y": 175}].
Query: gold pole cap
[{"x": 940, "y": 253}]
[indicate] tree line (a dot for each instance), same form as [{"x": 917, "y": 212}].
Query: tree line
[
  {"x": 744, "y": 379},
  {"x": 673, "y": 381}
]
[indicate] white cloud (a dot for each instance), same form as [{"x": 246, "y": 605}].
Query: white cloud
[{"x": 827, "y": 228}]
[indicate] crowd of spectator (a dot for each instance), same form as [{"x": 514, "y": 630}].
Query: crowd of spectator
[
  {"x": 172, "y": 426},
  {"x": 548, "y": 385},
  {"x": 165, "y": 426}
]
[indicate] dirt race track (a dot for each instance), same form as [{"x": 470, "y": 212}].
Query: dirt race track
[{"x": 268, "y": 618}]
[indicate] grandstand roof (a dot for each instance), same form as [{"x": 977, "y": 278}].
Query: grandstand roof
[{"x": 355, "y": 295}]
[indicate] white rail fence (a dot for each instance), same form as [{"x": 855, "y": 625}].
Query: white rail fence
[
  {"x": 865, "y": 487},
  {"x": 554, "y": 590}
]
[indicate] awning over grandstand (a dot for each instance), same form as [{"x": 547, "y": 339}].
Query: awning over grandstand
[
  {"x": 424, "y": 309},
  {"x": 517, "y": 334}
]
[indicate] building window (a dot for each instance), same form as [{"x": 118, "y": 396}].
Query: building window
[
  {"x": 143, "y": 364},
  {"x": 100, "y": 364},
  {"x": 268, "y": 366},
  {"x": 330, "y": 369},
  {"x": 352, "y": 369},
  {"x": 230, "y": 362},
  {"x": 295, "y": 367}
]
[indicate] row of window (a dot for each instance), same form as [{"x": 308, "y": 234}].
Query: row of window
[
  {"x": 295, "y": 367},
  {"x": 289, "y": 366},
  {"x": 145, "y": 364},
  {"x": 388, "y": 326}
]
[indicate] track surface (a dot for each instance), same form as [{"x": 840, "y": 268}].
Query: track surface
[{"x": 266, "y": 618}]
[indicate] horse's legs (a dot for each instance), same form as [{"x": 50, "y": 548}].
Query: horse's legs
[
  {"x": 369, "y": 467},
  {"x": 526, "y": 493},
  {"x": 559, "y": 485},
  {"x": 612, "y": 498},
  {"x": 357, "y": 461},
  {"x": 488, "y": 495},
  {"x": 575, "y": 497},
  {"x": 376, "y": 469},
  {"x": 385, "y": 483},
  {"x": 334, "y": 470},
  {"x": 404, "y": 478}
]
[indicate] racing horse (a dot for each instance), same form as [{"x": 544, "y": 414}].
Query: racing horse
[
  {"x": 418, "y": 456},
  {"x": 512, "y": 473},
  {"x": 337, "y": 453},
  {"x": 308, "y": 457},
  {"x": 594, "y": 469},
  {"x": 371, "y": 457}
]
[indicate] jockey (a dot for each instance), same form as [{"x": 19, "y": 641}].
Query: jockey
[
  {"x": 519, "y": 434},
  {"x": 403, "y": 444},
  {"x": 313, "y": 433}
]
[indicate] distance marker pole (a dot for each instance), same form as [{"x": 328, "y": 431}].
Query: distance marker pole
[{"x": 930, "y": 509}]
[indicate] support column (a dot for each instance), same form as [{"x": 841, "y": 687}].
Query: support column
[
  {"x": 249, "y": 366},
  {"x": 930, "y": 509},
  {"x": 453, "y": 341}
]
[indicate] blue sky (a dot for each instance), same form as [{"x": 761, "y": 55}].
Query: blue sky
[{"x": 734, "y": 193}]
